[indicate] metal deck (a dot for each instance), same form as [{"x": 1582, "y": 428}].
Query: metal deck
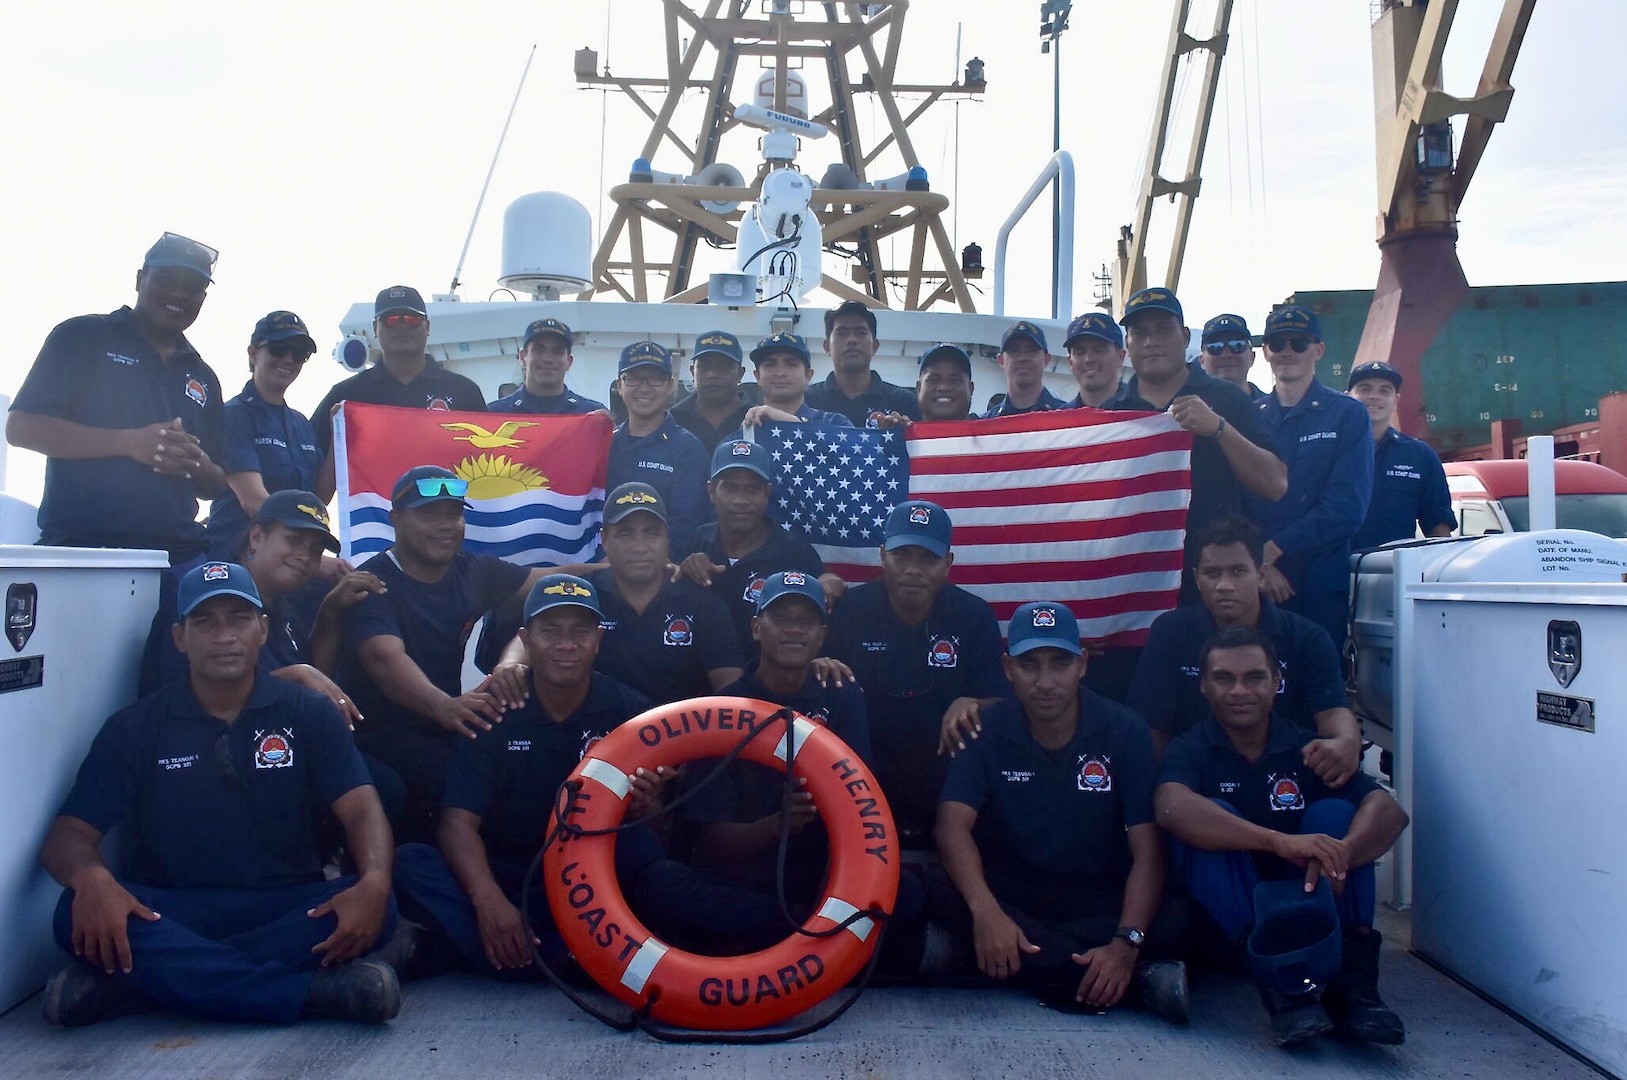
[{"x": 465, "y": 1026}]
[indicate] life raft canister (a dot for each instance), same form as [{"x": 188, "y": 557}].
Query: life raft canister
[{"x": 722, "y": 993}]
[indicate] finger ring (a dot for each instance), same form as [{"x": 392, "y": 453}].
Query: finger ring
[{"x": 344, "y": 701}]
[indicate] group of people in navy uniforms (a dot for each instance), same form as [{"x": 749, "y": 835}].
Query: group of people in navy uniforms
[{"x": 316, "y": 807}]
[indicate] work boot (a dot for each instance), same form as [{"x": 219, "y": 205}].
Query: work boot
[
  {"x": 1352, "y": 999},
  {"x": 1159, "y": 986},
  {"x": 79, "y": 994},
  {"x": 942, "y": 953},
  {"x": 1295, "y": 1017},
  {"x": 362, "y": 990}
]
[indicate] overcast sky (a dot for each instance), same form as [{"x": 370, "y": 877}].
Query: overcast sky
[{"x": 329, "y": 150}]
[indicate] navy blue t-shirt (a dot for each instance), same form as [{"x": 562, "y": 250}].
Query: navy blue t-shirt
[
  {"x": 687, "y": 413},
  {"x": 510, "y": 775},
  {"x": 879, "y": 398},
  {"x": 1046, "y": 402},
  {"x": 436, "y": 388},
  {"x": 565, "y": 403},
  {"x": 1060, "y": 815},
  {"x": 273, "y": 440},
  {"x": 1271, "y": 793},
  {"x": 1165, "y": 690},
  {"x": 98, "y": 371},
  {"x": 200, "y": 813},
  {"x": 433, "y": 621},
  {"x": 1409, "y": 493},
  {"x": 740, "y": 585},
  {"x": 666, "y": 652},
  {"x": 674, "y": 463},
  {"x": 910, "y": 675}
]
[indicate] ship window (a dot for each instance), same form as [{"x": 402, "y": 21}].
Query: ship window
[{"x": 1477, "y": 520}]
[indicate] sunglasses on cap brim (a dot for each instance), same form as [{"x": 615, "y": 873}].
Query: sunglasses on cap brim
[{"x": 431, "y": 487}]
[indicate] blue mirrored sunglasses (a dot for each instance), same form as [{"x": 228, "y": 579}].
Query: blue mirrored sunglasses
[
  {"x": 431, "y": 486},
  {"x": 1237, "y": 345}
]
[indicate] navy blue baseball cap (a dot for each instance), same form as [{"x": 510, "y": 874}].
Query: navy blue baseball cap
[
  {"x": 561, "y": 590},
  {"x": 784, "y": 341},
  {"x": 918, "y": 523},
  {"x": 718, "y": 343},
  {"x": 1226, "y": 328},
  {"x": 792, "y": 583},
  {"x": 1373, "y": 369},
  {"x": 1043, "y": 626},
  {"x": 1155, "y": 299},
  {"x": 1024, "y": 329},
  {"x": 645, "y": 354},
  {"x": 425, "y": 484},
  {"x": 945, "y": 350},
  {"x": 740, "y": 454},
  {"x": 547, "y": 326},
  {"x": 630, "y": 498},
  {"x": 173, "y": 249},
  {"x": 281, "y": 326},
  {"x": 214, "y": 579},
  {"x": 398, "y": 298},
  {"x": 1096, "y": 324},
  {"x": 297, "y": 509},
  {"x": 1293, "y": 319}
]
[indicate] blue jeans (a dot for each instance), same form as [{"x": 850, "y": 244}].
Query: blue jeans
[{"x": 227, "y": 954}]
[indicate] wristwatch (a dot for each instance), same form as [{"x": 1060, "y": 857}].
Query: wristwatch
[{"x": 1131, "y": 934}]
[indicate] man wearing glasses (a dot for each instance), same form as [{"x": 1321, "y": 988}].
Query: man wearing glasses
[
  {"x": 1228, "y": 352},
  {"x": 128, "y": 415},
  {"x": 1095, "y": 345},
  {"x": 221, "y": 909},
  {"x": 1326, "y": 439},
  {"x": 402, "y": 661},
  {"x": 927, "y": 656},
  {"x": 653, "y": 448},
  {"x": 406, "y": 375}
]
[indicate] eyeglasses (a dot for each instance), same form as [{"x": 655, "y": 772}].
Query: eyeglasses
[
  {"x": 402, "y": 318},
  {"x": 651, "y": 379},
  {"x": 1217, "y": 348},
  {"x": 432, "y": 486},
  {"x": 224, "y": 767},
  {"x": 281, "y": 350},
  {"x": 1283, "y": 342}
]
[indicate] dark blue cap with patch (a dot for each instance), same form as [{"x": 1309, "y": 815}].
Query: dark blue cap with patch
[
  {"x": 1043, "y": 626},
  {"x": 645, "y": 354},
  {"x": 398, "y": 298},
  {"x": 918, "y": 523},
  {"x": 740, "y": 454},
  {"x": 1293, "y": 319},
  {"x": 1373, "y": 369},
  {"x": 1154, "y": 299},
  {"x": 1226, "y": 328},
  {"x": 295, "y": 509},
  {"x": 546, "y": 326},
  {"x": 718, "y": 343},
  {"x": 281, "y": 326},
  {"x": 561, "y": 590},
  {"x": 792, "y": 583},
  {"x": 945, "y": 350},
  {"x": 1024, "y": 329},
  {"x": 630, "y": 498},
  {"x": 214, "y": 579},
  {"x": 784, "y": 341},
  {"x": 1096, "y": 324},
  {"x": 173, "y": 249}
]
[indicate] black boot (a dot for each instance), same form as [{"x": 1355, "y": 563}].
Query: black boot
[
  {"x": 1352, "y": 997},
  {"x": 79, "y": 994},
  {"x": 1160, "y": 987},
  {"x": 1295, "y": 1017},
  {"x": 363, "y": 990}
]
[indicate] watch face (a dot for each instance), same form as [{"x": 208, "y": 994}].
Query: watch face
[{"x": 1134, "y": 937}]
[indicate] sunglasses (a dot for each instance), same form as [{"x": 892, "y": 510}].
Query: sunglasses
[
  {"x": 1217, "y": 348},
  {"x": 224, "y": 768},
  {"x": 432, "y": 486},
  {"x": 1282, "y": 343},
  {"x": 282, "y": 350},
  {"x": 402, "y": 318}
]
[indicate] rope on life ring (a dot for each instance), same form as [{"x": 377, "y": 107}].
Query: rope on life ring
[{"x": 721, "y": 993}]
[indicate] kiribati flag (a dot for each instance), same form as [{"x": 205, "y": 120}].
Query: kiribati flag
[{"x": 536, "y": 483}]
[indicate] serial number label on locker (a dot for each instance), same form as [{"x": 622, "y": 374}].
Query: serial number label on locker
[{"x": 1565, "y": 711}]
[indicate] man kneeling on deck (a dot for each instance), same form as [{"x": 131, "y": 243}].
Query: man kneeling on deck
[
  {"x": 1236, "y": 793},
  {"x": 1046, "y": 833},
  {"x": 501, "y": 787},
  {"x": 222, "y": 910}
]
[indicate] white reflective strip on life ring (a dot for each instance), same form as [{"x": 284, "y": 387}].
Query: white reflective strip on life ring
[
  {"x": 643, "y": 964},
  {"x": 838, "y": 910},
  {"x": 608, "y": 775},
  {"x": 802, "y": 729}
]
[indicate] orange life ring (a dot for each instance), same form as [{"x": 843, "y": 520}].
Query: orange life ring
[{"x": 722, "y": 993}]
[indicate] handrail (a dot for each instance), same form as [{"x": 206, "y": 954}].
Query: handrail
[{"x": 1058, "y": 170}]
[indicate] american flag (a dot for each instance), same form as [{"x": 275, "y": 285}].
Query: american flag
[{"x": 1080, "y": 506}]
